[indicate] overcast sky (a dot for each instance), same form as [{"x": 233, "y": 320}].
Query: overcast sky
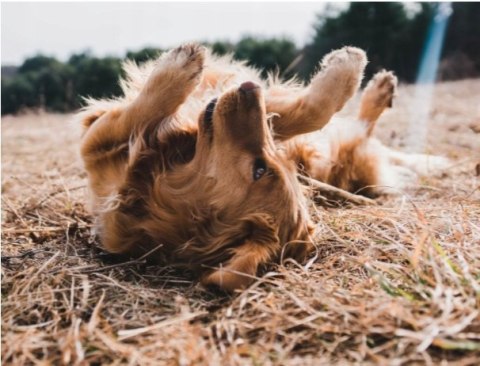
[{"x": 60, "y": 29}]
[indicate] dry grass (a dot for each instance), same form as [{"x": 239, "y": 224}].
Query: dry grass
[{"x": 393, "y": 284}]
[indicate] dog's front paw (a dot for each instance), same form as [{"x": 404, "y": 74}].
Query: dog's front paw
[
  {"x": 226, "y": 280},
  {"x": 381, "y": 89},
  {"x": 349, "y": 59},
  {"x": 340, "y": 75},
  {"x": 184, "y": 63},
  {"x": 190, "y": 57}
]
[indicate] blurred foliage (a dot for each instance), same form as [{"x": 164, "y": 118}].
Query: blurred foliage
[
  {"x": 144, "y": 54},
  {"x": 392, "y": 34},
  {"x": 461, "y": 54},
  {"x": 222, "y": 47},
  {"x": 266, "y": 54},
  {"x": 95, "y": 77},
  {"x": 392, "y": 39}
]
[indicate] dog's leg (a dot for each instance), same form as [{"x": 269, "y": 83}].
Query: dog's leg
[
  {"x": 241, "y": 269},
  {"x": 377, "y": 96},
  {"x": 175, "y": 76},
  {"x": 344, "y": 155},
  {"x": 421, "y": 164},
  {"x": 310, "y": 109}
]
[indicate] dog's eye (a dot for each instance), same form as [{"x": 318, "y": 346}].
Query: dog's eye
[
  {"x": 259, "y": 168},
  {"x": 209, "y": 111}
]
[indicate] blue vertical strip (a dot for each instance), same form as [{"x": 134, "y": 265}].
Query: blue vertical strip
[
  {"x": 433, "y": 45},
  {"x": 427, "y": 72}
]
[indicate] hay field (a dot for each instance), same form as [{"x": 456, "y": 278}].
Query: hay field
[{"x": 397, "y": 283}]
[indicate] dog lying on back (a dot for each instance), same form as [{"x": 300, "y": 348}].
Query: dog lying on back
[{"x": 198, "y": 163}]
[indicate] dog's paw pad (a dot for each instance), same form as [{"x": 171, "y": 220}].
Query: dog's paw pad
[
  {"x": 385, "y": 80},
  {"x": 383, "y": 87},
  {"x": 188, "y": 60},
  {"x": 346, "y": 57},
  {"x": 339, "y": 77},
  {"x": 190, "y": 53},
  {"x": 226, "y": 281}
]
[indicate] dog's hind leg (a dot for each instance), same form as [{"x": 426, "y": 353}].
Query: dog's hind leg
[
  {"x": 377, "y": 96},
  {"x": 421, "y": 164},
  {"x": 353, "y": 161},
  {"x": 309, "y": 109}
]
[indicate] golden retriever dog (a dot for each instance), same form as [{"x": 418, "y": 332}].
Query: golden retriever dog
[{"x": 198, "y": 164}]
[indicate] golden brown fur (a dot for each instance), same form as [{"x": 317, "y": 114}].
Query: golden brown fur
[{"x": 218, "y": 188}]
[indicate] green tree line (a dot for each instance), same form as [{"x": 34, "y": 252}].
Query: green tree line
[{"x": 392, "y": 34}]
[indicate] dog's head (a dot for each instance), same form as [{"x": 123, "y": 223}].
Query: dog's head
[{"x": 249, "y": 204}]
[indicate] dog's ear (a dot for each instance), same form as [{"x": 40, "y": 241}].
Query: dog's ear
[
  {"x": 261, "y": 246},
  {"x": 242, "y": 267}
]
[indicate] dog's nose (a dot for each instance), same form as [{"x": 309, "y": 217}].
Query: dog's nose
[{"x": 249, "y": 86}]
